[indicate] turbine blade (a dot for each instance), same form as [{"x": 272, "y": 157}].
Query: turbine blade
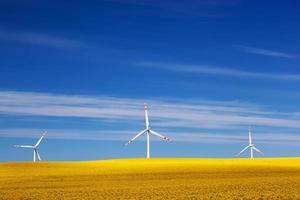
[
  {"x": 159, "y": 135},
  {"x": 243, "y": 150},
  {"x": 38, "y": 155},
  {"x": 39, "y": 141},
  {"x": 256, "y": 149},
  {"x": 146, "y": 115},
  {"x": 24, "y": 146},
  {"x": 250, "y": 137},
  {"x": 135, "y": 137}
]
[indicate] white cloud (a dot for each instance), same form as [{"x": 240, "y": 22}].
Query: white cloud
[
  {"x": 124, "y": 135},
  {"x": 183, "y": 120},
  {"x": 262, "y": 137},
  {"x": 211, "y": 70},
  {"x": 266, "y": 52},
  {"x": 114, "y": 135},
  {"x": 164, "y": 113},
  {"x": 199, "y": 8},
  {"x": 40, "y": 39}
]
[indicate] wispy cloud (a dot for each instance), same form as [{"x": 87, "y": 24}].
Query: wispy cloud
[
  {"x": 108, "y": 135},
  {"x": 205, "y": 8},
  {"x": 34, "y": 38},
  {"x": 265, "y": 52},
  {"x": 124, "y": 135},
  {"x": 170, "y": 113},
  {"x": 205, "y": 69},
  {"x": 202, "y": 121},
  {"x": 170, "y": 3},
  {"x": 262, "y": 137}
]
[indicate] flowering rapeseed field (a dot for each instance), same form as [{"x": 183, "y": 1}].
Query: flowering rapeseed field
[{"x": 173, "y": 178}]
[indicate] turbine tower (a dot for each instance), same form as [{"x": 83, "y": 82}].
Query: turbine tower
[
  {"x": 34, "y": 148},
  {"x": 251, "y": 146},
  {"x": 148, "y": 132}
]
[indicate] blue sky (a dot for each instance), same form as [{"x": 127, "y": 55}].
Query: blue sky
[{"x": 208, "y": 69}]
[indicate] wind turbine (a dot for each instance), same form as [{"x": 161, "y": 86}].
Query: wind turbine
[
  {"x": 34, "y": 148},
  {"x": 251, "y": 146},
  {"x": 148, "y": 132}
]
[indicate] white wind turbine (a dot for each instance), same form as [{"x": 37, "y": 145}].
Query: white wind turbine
[
  {"x": 147, "y": 131},
  {"x": 34, "y": 148},
  {"x": 251, "y": 146}
]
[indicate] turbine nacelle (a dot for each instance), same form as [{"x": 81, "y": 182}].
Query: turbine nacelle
[{"x": 146, "y": 106}]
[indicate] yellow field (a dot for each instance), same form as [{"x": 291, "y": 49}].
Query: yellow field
[{"x": 153, "y": 179}]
